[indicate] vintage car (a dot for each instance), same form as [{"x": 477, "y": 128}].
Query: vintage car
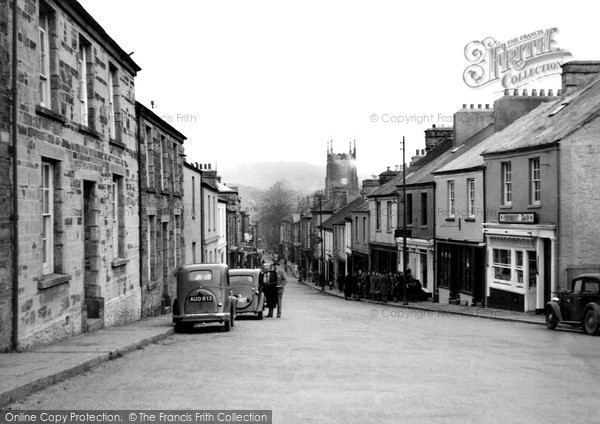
[
  {"x": 204, "y": 295},
  {"x": 246, "y": 284},
  {"x": 579, "y": 306}
]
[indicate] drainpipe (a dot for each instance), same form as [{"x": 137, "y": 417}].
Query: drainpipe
[
  {"x": 140, "y": 209},
  {"x": 202, "y": 219},
  {"x": 557, "y": 242},
  {"x": 485, "y": 255},
  {"x": 15, "y": 191}
]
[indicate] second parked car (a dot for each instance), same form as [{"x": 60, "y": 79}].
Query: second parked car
[{"x": 579, "y": 306}]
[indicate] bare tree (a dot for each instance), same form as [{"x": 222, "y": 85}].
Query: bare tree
[{"x": 276, "y": 204}]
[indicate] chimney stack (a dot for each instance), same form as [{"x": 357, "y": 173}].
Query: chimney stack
[{"x": 578, "y": 74}]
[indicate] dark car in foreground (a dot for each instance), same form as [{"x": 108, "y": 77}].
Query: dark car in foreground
[
  {"x": 204, "y": 295},
  {"x": 577, "y": 307},
  {"x": 246, "y": 285}
]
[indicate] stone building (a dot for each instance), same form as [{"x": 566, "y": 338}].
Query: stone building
[
  {"x": 341, "y": 173},
  {"x": 78, "y": 197},
  {"x": 6, "y": 189},
  {"x": 161, "y": 209}
]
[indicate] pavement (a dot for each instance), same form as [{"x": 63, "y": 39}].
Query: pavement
[
  {"x": 474, "y": 311},
  {"x": 27, "y": 372}
]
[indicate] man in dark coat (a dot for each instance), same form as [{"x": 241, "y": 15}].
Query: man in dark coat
[{"x": 269, "y": 287}]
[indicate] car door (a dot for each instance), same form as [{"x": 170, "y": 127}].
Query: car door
[
  {"x": 570, "y": 299},
  {"x": 574, "y": 300},
  {"x": 589, "y": 293}
]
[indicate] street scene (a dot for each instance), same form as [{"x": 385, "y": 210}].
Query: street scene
[
  {"x": 330, "y": 360},
  {"x": 262, "y": 211}
]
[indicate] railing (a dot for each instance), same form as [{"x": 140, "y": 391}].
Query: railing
[{"x": 577, "y": 270}]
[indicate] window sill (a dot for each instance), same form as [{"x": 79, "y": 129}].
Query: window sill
[
  {"x": 165, "y": 193},
  {"x": 470, "y": 220},
  {"x": 115, "y": 142},
  {"x": 534, "y": 206},
  {"x": 89, "y": 131},
  {"x": 450, "y": 219},
  {"x": 505, "y": 207},
  {"x": 47, "y": 113},
  {"x": 51, "y": 280},
  {"x": 424, "y": 227},
  {"x": 117, "y": 262},
  {"x": 177, "y": 194}
]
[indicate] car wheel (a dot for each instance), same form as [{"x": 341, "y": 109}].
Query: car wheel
[
  {"x": 551, "y": 319},
  {"x": 590, "y": 322},
  {"x": 260, "y": 314},
  {"x": 181, "y": 327}
]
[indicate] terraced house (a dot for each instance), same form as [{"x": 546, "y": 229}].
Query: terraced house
[
  {"x": 77, "y": 175},
  {"x": 162, "y": 246},
  {"x": 542, "y": 181}
]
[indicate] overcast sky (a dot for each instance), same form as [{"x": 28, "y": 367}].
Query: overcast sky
[{"x": 265, "y": 81}]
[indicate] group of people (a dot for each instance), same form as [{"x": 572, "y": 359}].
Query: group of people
[
  {"x": 272, "y": 283},
  {"x": 381, "y": 286}
]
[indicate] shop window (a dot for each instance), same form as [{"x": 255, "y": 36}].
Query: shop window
[{"x": 502, "y": 265}]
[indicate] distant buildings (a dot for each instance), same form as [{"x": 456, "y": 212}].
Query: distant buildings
[{"x": 500, "y": 208}]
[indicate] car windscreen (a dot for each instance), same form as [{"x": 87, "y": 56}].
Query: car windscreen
[
  {"x": 235, "y": 279},
  {"x": 202, "y": 275}
]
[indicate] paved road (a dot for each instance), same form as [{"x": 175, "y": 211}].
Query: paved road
[{"x": 333, "y": 361}]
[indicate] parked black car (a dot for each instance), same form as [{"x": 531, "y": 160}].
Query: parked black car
[{"x": 579, "y": 306}]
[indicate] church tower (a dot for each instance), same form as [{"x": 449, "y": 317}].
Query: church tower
[{"x": 341, "y": 172}]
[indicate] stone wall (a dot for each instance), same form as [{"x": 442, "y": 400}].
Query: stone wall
[
  {"x": 579, "y": 232},
  {"x": 5, "y": 180},
  {"x": 90, "y": 266},
  {"x": 162, "y": 211}
]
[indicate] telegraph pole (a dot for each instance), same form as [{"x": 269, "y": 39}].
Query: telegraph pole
[{"x": 404, "y": 255}]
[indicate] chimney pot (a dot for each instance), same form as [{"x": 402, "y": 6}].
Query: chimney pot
[
  {"x": 506, "y": 92},
  {"x": 534, "y": 92},
  {"x": 542, "y": 92},
  {"x": 479, "y": 106},
  {"x": 525, "y": 92},
  {"x": 416, "y": 154},
  {"x": 487, "y": 105},
  {"x": 422, "y": 152},
  {"x": 551, "y": 92},
  {"x": 516, "y": 92},
  {"x": 464, "y": 105},
  {"x": 472, "y": 106},
  {"x": 559, "y": 92},
  {"x": 433, "y": 126}
]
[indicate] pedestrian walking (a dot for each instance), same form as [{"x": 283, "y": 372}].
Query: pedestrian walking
[
  {"x": 349, "y": 281},
  {"x": 281, "y": 282}
]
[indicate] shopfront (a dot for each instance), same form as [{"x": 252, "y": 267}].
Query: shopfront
[
  {"x": 521, "y": 272},
  {"x": 420, "y": 260}
]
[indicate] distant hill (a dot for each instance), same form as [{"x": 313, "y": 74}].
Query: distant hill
[{"x": 302, "y": 177}]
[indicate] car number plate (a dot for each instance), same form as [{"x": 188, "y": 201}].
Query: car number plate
[
  {"x": 243, "y": 299},
  {"x": 204, "y": 298}
]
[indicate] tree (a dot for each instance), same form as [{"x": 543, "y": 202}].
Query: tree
[{"x": 276, "y": 204}]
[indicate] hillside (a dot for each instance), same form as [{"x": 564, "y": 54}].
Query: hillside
[{"x": 303, "y": 178}]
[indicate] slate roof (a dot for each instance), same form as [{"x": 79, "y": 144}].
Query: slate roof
[
  {"x": 472, "y": 158},
  {"x": 423, "y": 173},
  {"x": 339, "y": 217},
  {"x": 550, "y": 122}
]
